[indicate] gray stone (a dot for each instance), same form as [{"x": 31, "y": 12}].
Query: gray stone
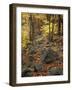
[
  {"x": 38, "y": 67},
  {"x": 55, "y": 71},
  {"x": 26, "y": 73},
  {"x": 32, "y": 50},
  {"x": 48, "y": 56}
]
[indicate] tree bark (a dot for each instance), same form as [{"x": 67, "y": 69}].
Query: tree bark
[
  {"x": 52, "y": 27},
  {"x": 31, "y": 28},
  {"x": 48, "y": 19},
  {"x": 59, "y": 26}
]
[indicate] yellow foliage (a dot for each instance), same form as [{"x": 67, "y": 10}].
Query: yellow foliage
[
  {"x": 50, "y": 27},
  {"x": 25, "y": 39},
  {"x": 45, "y": 30},
  {"x": 45, "y": 26},
  {"x": 39, "y": 39}
]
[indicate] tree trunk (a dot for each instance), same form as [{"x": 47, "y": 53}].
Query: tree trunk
[
  {"x": 59, "y": 26},
  {"x": 52, "y": 27},
  {"x": 62, "y": 25},
  {"x": 38, "y": 26},
  {"x": 48, "y": 19},
  {"x": 31, "y": 28}
]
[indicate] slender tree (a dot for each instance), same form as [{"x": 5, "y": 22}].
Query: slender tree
[
  {"x": 59, "y": 25},
  {"x": 62, "y": 24},
  {"x": 53, "y": 16},
  {"x": 39, "y": 25},
  {"x": 31, "y": 28},
  {"x": 48, "y": 19}
]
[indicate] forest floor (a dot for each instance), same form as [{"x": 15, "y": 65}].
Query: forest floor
[{"x": 44, "y": 58}]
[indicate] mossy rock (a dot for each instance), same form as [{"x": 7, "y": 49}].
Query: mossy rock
[
  {"x": 48, "y": 56},
  {"x": 37, "y": 67},
  {"x": 27, "y": 73},
  {"x": 55, "y": 71}
]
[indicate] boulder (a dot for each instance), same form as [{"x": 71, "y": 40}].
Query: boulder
[
  {"x": 37, "y": 67},
  {"x": 31, "y": 59},
  {"x": 48, "y": 56},
  {"x": 27, "y": 69},
  {"x": 27, "y": 73},
  {"x": 55, "y": 71},
  {"x": 32, "y": 50}
]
